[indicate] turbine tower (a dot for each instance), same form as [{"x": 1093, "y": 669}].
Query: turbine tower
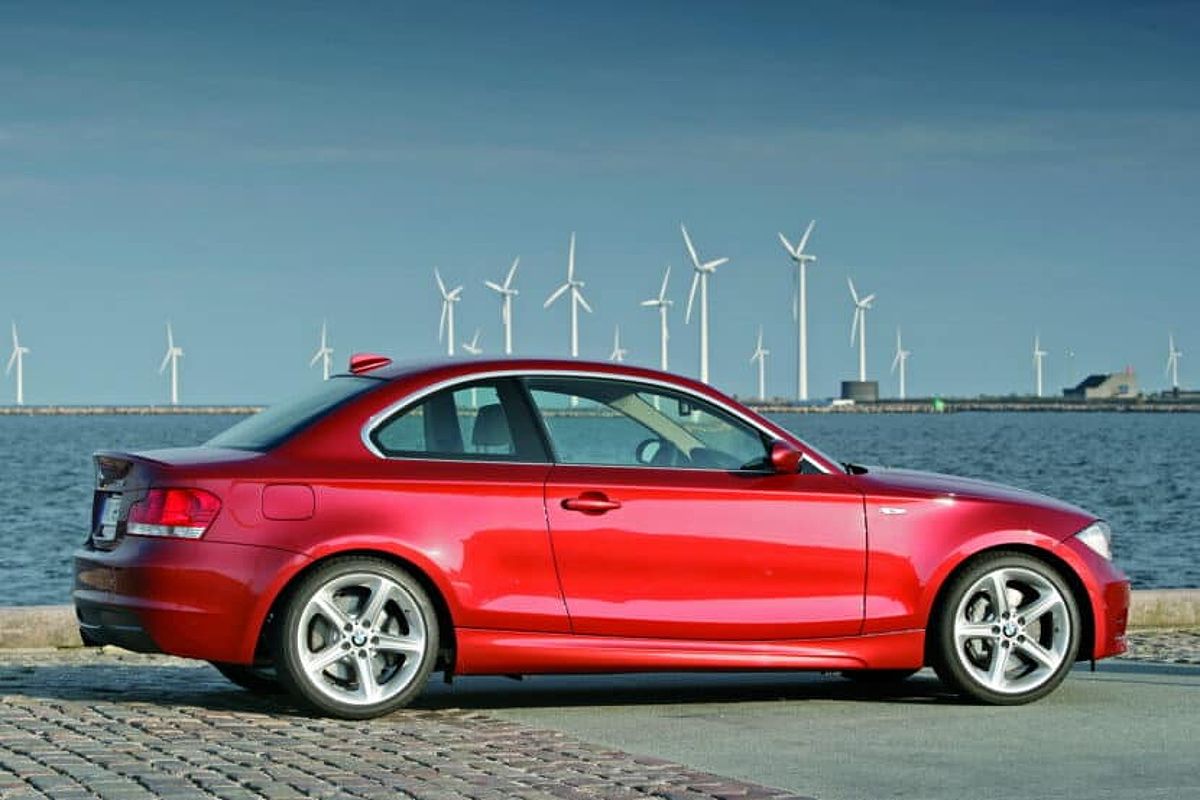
[
  {"x": 700, "y": 278},
  {"x": 802, "y": 261},
  {"x": 472, "y": 347},
  {"x": 1038, "y": 355},
  {"x": 446, "y": 324},
  {"x": 507, "y": 293},
  {"x": 172, "y": 357},
  {"x": 662, "y": 304},
  {"x": 577, "y": 300},
  {"x": 1172, "y": 359},
  {"x": 900, "y": 362},
  {"x": 760, "y": 355},
  {"x": 618, "y": 353},
  {"x": 17, "y": 359},
  {"x": 859, "y": 328},
  {"x": 324, "y": 354}
]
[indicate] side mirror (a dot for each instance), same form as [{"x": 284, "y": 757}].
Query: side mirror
[{"x": 785, "y": 458}]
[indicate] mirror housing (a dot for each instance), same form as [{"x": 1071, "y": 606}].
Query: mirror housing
[{"x": 785, "y": 458}]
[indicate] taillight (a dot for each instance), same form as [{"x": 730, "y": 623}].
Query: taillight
[{"x": 185, "y": 513}]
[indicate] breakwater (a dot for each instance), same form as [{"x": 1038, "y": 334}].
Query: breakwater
[{"x": 123, "y": 410}]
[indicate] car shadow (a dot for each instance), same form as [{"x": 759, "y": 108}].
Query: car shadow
[{"x": 199, "y": 685}]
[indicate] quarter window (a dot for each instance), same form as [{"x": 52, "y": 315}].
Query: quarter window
[
  {"x": 472, "y": 422},
  {"x": 594, "y": 421}
]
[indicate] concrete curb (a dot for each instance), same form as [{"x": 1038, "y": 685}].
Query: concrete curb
[{"x": 26, "y": 627}]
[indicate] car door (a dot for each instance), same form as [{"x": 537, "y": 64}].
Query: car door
[
  {"x": 666, "y": 521},
  {"x": 465, "y": 468}
]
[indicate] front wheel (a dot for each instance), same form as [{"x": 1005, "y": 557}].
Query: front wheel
[
  {"x": 1007, "y": 631},
  {"x": 358, "y": 639}
]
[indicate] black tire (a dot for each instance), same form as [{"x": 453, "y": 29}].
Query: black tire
[
  {"x": 970, "y": 666},
  {"x": 258, "y": 680},
  {"x": 367, "y": 675},
  {"x": 878, "y": 677}
]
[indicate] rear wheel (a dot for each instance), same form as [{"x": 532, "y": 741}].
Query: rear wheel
[
  {"x": 358, "y": 639},
  {"x": 1007, "y": 631}
]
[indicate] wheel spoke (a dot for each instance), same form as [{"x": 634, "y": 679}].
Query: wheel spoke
[
  {"x": 999, "y": 663},
  {"x": 998, "y": 590},
  {"x": 329, "y": 609},
  {"x": 974, "y": 630},
  {"x": 409, "y": 645},
  {"x": 1039, "y": 654},
  {"x": 381, "y": 590},
  {"x": 317, "y": 662},
  {"x": 1048, "y": 602},
  {"x": 368, "y": 687}
]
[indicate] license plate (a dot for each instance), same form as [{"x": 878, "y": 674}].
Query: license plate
[{"x": 109, "y": 513}]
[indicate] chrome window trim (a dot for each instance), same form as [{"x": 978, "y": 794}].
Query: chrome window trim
[{"x": 379, "y": 417}]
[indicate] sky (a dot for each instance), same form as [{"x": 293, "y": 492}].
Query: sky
[{"x": 990, "y": 171}]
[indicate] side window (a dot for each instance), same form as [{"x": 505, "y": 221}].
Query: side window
[
  {"x": 593, "y": 421},
  {"x": 468, "y": 423}
]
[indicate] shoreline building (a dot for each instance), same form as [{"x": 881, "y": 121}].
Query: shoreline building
[{"x": 1115, "y": 385}]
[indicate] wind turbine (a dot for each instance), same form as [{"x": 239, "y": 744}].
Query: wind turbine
[
  {"x": 760, "y": 355},
  {"x": 662, "y": 304},
  {"x": 700, "y": 278},
  {"x": 472, "y": 347},
  {"x": 802, "y": 260},
  {"x": 1038, "y": 355},
  {"x": 859, "y": 328},
  {"x": 577, "y": 299},
  {"x": 507, "y": 293},
  {"x": 901, "y": 362},
  {"x": 324, "y": 354},
  {"x": 17, "y": 359},
  {"x": 446, "y": 324},
  {"x": 172, "y": 357},
  {"x": 1172, "y": 359},
  {"x": 618, "y": 353}
]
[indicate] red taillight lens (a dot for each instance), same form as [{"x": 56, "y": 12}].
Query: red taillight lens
[{"x": 173, "y": 512}]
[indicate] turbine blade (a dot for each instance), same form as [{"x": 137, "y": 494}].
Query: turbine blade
[
  {"x": 791, "y": 251},
  {"x": 868, "y": 300},
  {"x": 166, "y": 360},
  {"x": 317, "y": 357},
  {"x": 662, "y": 293},
  {"x": 11, "y": 360},
  {"x": 579, "y": 297},
  {"x": 170, "y": 337},
  {"x": 804, "y": 239},
  {"x": 690, "y": 248},
  {"x": 853, "y": 293},
  {"x": 687, "y": 318},
  {"x": 17, "y": 344},
  {"x": 571, "y": 259},
  {"x": 896, "y": 361},
  {"x": 511, "y": 272},
  {"x": 441, "y": 285},
  {"x": 716, "y": 262},
  {"x": 557, "y": 294},
  {"x": 653, "y": 302},
  {"x": 495, "y": 287}
]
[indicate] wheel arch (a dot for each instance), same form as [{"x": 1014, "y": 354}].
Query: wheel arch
[
  {"x": 447, "y": 639},
  {"x": 1083, "y": 603}
]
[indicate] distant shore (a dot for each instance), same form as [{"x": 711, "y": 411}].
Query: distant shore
[{"x": 774, "y": 406}]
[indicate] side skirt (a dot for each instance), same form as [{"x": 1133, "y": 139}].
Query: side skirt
[{"x": 488, "y": 652}]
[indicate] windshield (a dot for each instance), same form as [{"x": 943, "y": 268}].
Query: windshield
[{"x": 270, "y": 428}]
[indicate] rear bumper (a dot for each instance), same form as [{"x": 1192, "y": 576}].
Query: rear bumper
[{"x": 188, "y": 598}]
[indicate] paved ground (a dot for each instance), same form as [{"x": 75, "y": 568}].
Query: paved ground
[{"x": 79, "y": 724}]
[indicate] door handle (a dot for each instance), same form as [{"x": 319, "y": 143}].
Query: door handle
[{"x": 591, "y": 503}]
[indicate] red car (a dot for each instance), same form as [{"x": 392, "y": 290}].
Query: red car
[{"x": 546, "y": 516}]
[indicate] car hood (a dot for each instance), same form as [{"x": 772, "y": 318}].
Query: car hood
[{"x": 881, "y": 482}]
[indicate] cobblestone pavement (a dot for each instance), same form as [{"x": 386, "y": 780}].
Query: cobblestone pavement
[
  {"x": 110, "y": 724},
  {"x": 103, "y": 724}
]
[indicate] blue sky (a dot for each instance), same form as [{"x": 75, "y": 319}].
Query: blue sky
[{"x": 989, "y": 170}]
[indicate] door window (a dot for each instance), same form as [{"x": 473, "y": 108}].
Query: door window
[{"x": 595, "y": 421}]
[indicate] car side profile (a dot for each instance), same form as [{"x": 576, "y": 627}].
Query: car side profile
[{"x": 530, "y": 516}]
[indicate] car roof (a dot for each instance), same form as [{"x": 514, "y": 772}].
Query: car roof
[{"x": 448, "y": 367}]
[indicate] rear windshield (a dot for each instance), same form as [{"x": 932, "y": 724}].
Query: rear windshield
[{"x": 270, "y": 428}]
